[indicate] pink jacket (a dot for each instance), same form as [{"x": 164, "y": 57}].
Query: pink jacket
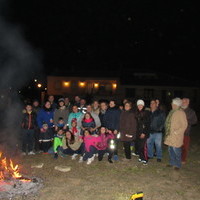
[
  {"x": 90, "y": 140},
  {"x": 103, "y": 141}
]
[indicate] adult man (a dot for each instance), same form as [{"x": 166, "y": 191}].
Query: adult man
[
  {"x": 175, "y": 126},
  {"x": 192, "y": 120},
  {"x": 157, "y": 121}
]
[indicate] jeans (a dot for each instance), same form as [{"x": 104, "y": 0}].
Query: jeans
[
  {"x": 88, "y": 154},
  {"x": 70, "y": 151},
  {"x": 27, "y": 139},
  {"x": 155, "y": 138},
  {"x": 175, "y": 156}
]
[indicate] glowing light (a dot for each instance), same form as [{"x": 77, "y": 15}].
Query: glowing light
[
  {"x": 35, "y": 80},
  {"x": 66, "y": 83},
  {"x": 39, "y": 85},
  {"x": 96, "y": 85},
  {"x": 82, "y": 84},
  {"x": 114, "y": 85}
]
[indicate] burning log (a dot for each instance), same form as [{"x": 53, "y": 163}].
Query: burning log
[{"x": 13, "y": 183}]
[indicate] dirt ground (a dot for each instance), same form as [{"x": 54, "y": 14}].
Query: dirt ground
[{"x": 117, "y": 181}]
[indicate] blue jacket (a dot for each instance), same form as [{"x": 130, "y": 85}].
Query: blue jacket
[
  {"x": 44, "y": 116},
  {"x": 111, "y": 118}
]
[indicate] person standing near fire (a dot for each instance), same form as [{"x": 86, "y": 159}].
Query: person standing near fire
[{"x": 28, "y": 130}]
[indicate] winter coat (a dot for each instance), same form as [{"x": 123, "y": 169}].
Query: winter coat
[
  {"x": 45, "y": 116},
  {"x": 73, "y": 115},
  {"x": 178, "y": 125},
  {"x": 143, "y": 122},
  {"x": 127, "y": 125},
  {"x": 46, "y": 135},
  {"x": 29, "y": 121},
  {"x": 64, "y": 113},
  {"x": 88, "y": 124},
  {"x": 157, "y": 121},
  {"x": 111, "y": 118},
  {"x": 191, "y": 119},
  {"x": 103, "y": 140}
]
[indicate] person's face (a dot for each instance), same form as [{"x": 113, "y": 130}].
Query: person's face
[
  {"x": 89, "y": 108},
  {"x": 103, "y": 130},
  {"x": 82, "y": 102},
  {"x": 87, "y": 116},
  {"x": 66, "y": 101},
  {"x": 61, "y": 121},
  {"x": 68, "y": 135},
  {"x": 112, "y": 104},
  {"x": 61, "y": 103},
  {"x": 74, "y": 124},
  {"x": 153, "y": 105},
  {"x": 140, "y": 107},
  {"x": 29, "y": 108},
  {"x": 127, "y": 106},
  {"x": 185, "y": 103},
  {"x": 47, "y": 104},
  {"x": 103, "y": 106},
  {"x": 51, "y": 98},
  {"x": 35, "y": 103},
  {"x": 45, "y": 127},
  {"x": 75, "y": 109},
  {"x": 96, "y": 104},
  {"x": 77, "y": 98},
  {"x": 60, "y": 132},
  {"x": 86, "y": 133}
]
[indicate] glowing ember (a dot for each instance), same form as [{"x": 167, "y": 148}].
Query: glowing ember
[{"x": 8, "y": 170}]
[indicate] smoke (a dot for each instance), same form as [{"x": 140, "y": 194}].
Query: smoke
[{"x": 19, "y": 62}]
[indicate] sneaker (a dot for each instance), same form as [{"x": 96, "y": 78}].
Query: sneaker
[
  {"x": 93, "y": 157},
  {"x": 115, "y": 157},
  {"x": 23, "y": 154},
  {"x": 144, "y": 162},
  {"x": 134, "y": 154},
  {"x": 31, "y": 153},
  {"x": 80, "y": 159},
  {"x": 89, "y": 161},
  {"x": 139, "y": 160},
  {"x": 74, "y": 156}
]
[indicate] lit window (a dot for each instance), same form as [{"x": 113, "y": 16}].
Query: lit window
[
  {"x": 96, "y": 85},
  {"x": 114, "y": 85},
  {"x": 82, "y": 84},
  {"x": 66, "y": 83}
]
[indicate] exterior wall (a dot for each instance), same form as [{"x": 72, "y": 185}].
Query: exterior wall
[
  {"x": 71, "y": 86},
  {"x": 105, "y": 90}
]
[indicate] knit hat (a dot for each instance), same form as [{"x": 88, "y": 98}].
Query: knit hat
[
  {"x": 61, "y": 99},
  {"x": 177, "y": 101},
  {"x": 140, "y": 102}
]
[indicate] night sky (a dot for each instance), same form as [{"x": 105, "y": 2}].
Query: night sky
[{"x": 101, "y": 35}]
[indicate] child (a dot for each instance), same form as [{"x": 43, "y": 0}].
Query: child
[
  {"x": 74, "y": 145},
  {"x": 58, "y": 141},
  {"x": 90, "y": 142},
  {"x": 28, "y": 126},
  {"x": 88, "y": 123},
  {"x": 46, "y": 137},
  {"x": 102, "y": 145},
  {"x": 75, "y": 131},
  {"x": 60, "y": 124}
]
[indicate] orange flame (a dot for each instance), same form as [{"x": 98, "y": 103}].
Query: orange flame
[{"x": 9, "y": 168}]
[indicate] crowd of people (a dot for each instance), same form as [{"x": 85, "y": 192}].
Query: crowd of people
[{"x": 96, "y": 129}]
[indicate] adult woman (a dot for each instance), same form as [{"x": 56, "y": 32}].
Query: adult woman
[{"x": 127, "y": 128}]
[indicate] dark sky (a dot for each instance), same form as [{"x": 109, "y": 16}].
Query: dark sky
[{"x": 98, "y": 34}]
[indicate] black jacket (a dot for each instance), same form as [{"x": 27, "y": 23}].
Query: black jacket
[{"x": 157, "y": 119}]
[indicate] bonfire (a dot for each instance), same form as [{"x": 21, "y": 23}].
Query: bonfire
[{"x": 12, "y": 182}]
